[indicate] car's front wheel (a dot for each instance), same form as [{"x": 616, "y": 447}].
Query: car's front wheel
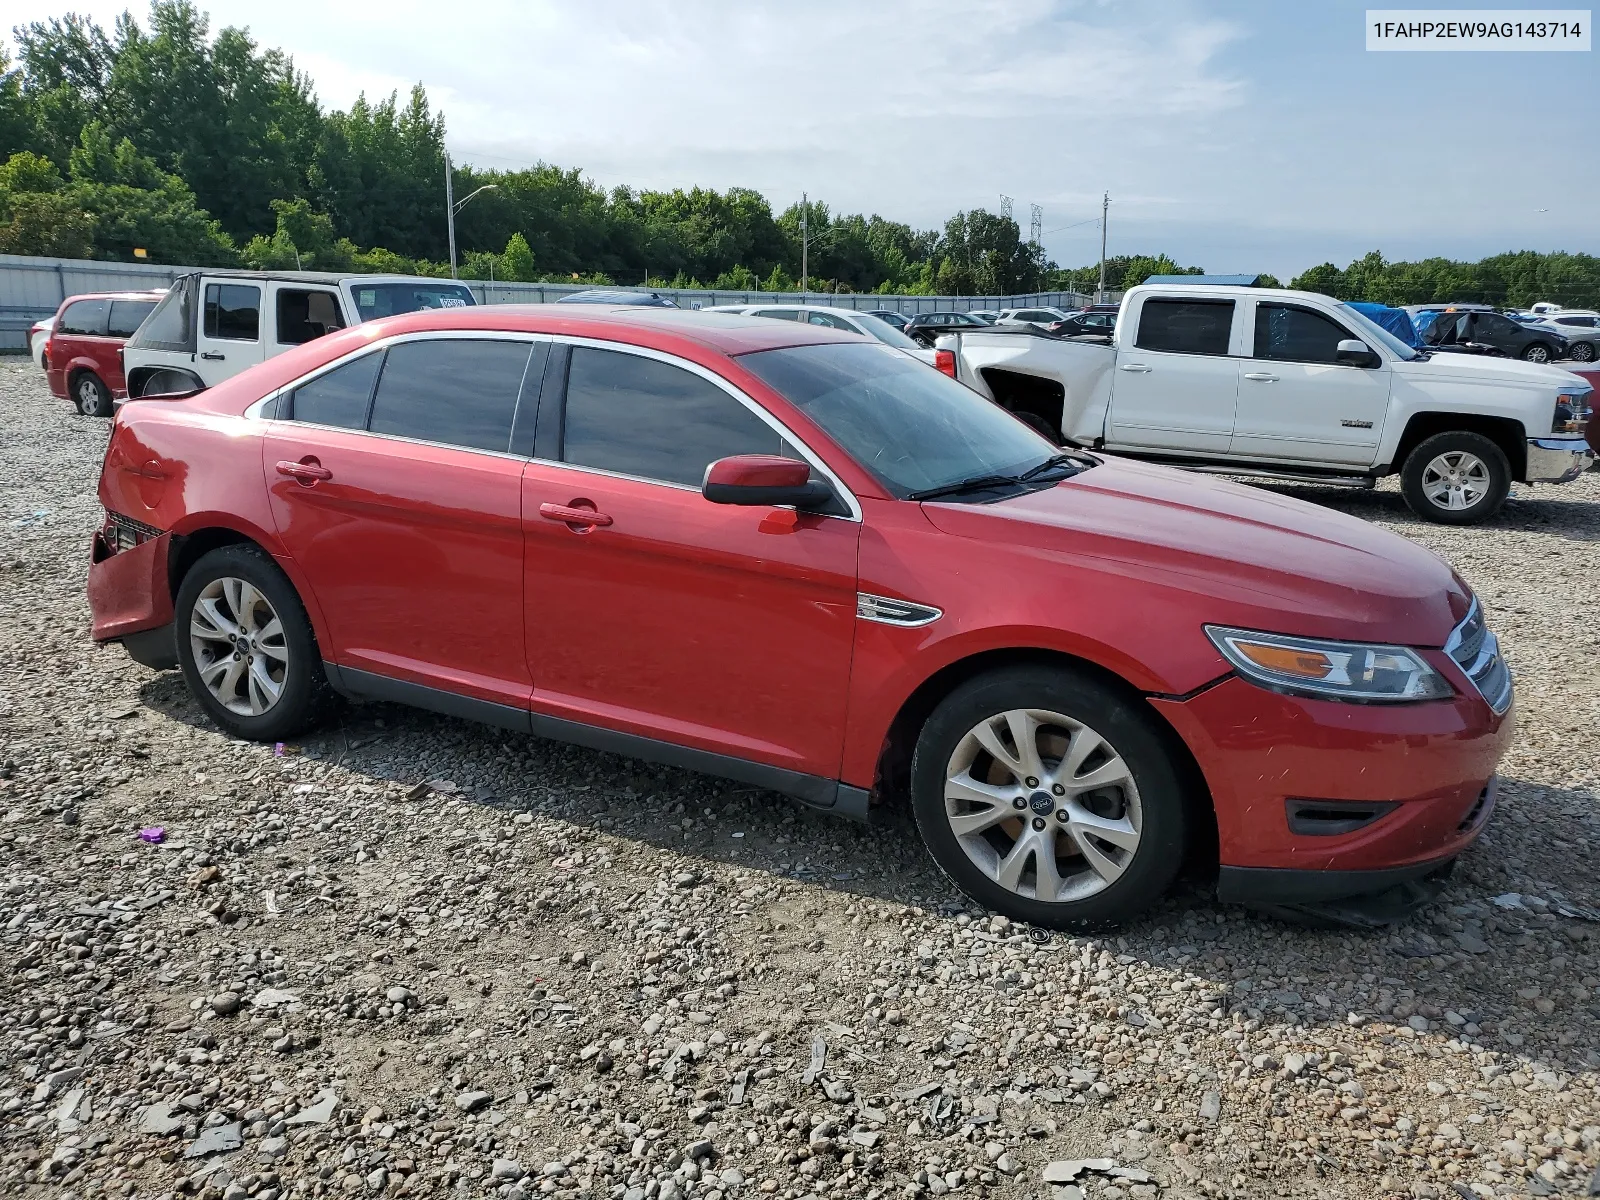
[
  {"x": 1049, "y": 797},
  {"x": 91, "y": 395},
  {"x": 1581, "y": 352},
  {"x": 1456, "y": 478},
  {"x": 246, "y": 647}
]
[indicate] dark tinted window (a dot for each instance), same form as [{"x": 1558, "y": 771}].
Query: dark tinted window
[
  {"x": 128, "y": 315},
  {"x": 86, "y": 317},
  {"x": 637, "y": 416},
  {"x": 1296, "y": 335},
  {"x": 1494, "y": 325},
  {"x": 340, "y": 397},
  {"x": 1185, "y": 326},
  {"x": 304, "y": 316},
  {"x": 386, "y": 299},
  {"x": 459, "y": 391},
  {"x": 233, "y": 311},
  {"x": 777, "y": 314}
]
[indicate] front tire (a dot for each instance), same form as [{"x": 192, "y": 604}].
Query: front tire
[
  {"x": 1538, "y": 352},
  {"x": 1049, "y": 797},
  {"x": 1582, "y": 352},
  {"x": 1456, "y": 478},
  {"x": 246, "y": 646},
  {"x": 91, "y": 396}
]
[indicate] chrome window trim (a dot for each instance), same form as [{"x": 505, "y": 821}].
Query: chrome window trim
[{"x": 255, "y": 410}]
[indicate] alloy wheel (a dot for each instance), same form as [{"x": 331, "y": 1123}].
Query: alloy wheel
[
  {"x": 1043, "y": 805},
  {"x": 1536, "y": 354},
  {"x": 240, "y": 652},
  {"x": 1456, "y": 480},
  {"x": 88, "y": 396},
  {"x": 1582, "y": 352}
]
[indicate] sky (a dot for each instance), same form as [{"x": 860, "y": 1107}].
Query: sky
[{"x": 1255, "y": 135}]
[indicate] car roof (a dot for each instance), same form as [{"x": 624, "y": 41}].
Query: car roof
[
  {"x": 790, "y": 308},
  {"x": 725, "y": 333},
  {"x": 322, "y": 276}
]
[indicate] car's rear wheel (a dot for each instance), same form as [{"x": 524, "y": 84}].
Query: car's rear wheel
[
  {"x": 246, "y": 647},
  {"x": 1538, "y": 352},
  {"x": 91, "y": 396},
  {"x": 1049, "y": 797},
  {"x": 1456, "y": 478},
  {"x": 1581, "y": 352}
]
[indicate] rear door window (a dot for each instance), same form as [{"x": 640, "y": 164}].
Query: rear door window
[
  {"x": 304, "y": 315},
  {"x": 339, "y": 397},
  {"x": 128, "y": 315},
  {"x": 233, "y": 312},
  {"x": 84, "y": 318},
  {"x": 457, "y": 391},
  {"x": 1185, "y": 326},
  {"x": 1288, "y": 334},
  {"x": 639, "y": 416}
]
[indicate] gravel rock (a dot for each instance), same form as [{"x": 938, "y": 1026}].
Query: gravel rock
[{"x": 411, "y": 911}]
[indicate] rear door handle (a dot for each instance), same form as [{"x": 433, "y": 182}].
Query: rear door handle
[
  {"x": 573, "y": 516},
  {"x": 309, "y": 471},
  {"x": 1261, "y": 377},
  {"x": 1136, "y": 368},
  {"x": 214, "y": 357}
]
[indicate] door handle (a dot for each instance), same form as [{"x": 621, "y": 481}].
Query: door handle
[
  {"x": 214, "y": 357},
  {"x": 1261, "y": 377},
  {"x": 307, "y": 471},
  {"x": 573, "y": 516},
  {"x": 1136, "y": 368}
]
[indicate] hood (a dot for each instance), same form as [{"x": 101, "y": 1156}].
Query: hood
[
  {"x": 1255, "y": 558},
  {"x": 1483, "y": 368}
]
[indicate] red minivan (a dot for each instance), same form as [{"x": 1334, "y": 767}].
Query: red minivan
[
  {"x": 83, "y": 359},
  {"x": 792, "y": 556}
]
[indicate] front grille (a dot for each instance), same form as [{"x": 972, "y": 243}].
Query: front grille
[{"x": 1477, "y": 652}]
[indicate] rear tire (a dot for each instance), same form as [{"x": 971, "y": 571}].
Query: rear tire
[
  {"x": 1102, "y": 768},
  {"x": 1456, "y": 478},
  {"x": 246, "y": 646},
  {"x": 92, "y": 397}
]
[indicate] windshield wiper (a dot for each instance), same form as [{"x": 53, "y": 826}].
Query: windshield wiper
[
  {"x": 974, "y": 484},
  {"x": 1054, "y": 461}
]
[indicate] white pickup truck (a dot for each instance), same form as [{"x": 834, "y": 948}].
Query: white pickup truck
[
  {"x": 214, "y": 324},
  {"x": 1287, "y": 385}
]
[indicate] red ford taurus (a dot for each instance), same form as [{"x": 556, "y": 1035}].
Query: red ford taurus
[{"x": 786, "y": 555}]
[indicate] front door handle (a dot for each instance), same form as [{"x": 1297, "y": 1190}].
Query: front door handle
[
  {"x": 214, "y": 357},
  {"x": 569, "y": 515},
  {"x": 1136, "y": 368},
  {"x": 307, "y": 471},
  {"x": 1261, "y": 377}
]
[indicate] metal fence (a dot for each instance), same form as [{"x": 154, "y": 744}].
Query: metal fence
[{"x": 33, "y": 288}]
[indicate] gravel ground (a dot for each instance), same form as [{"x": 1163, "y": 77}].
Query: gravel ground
[{"x": 417, "y": 956}]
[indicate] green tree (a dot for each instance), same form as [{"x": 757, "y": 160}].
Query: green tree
[{"x": 517, "y": 260}]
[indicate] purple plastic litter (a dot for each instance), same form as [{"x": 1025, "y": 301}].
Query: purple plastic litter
[{"x": 153, "y": 834}]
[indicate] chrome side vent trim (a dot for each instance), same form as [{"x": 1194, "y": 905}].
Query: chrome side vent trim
[
  {"x": 1477, "y": 652},
  {"x": 887, "y": 611}
]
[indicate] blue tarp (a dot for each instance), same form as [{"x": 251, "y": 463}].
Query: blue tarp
[{"x": 1396, "y": 320}]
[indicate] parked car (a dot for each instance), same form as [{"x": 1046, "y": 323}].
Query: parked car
[
  {"x": 1285, "y": 384},
  {"x": 1581, "y": 330},
  {"x": 604, "y": 296},
  {"x": 1531, "y": 343},
  {"x": 1080, "y": 323},
  {"x": 1445, "y": 345},
  {"x": 84, "y": 349},
  {"x": 785, "y": 555},
  {"x": 846, "y": 319},
  {"x": 1042, "y": 317},
  {"x": 923, "y": 328},
  {"x": 214, "y": 324},
  {"x": 889, "y": 317},
  {"x": 987, "y": 315},
  {"x": 39, "y": 337}
]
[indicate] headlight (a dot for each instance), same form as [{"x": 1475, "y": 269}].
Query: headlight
[
  {"x": 1350, "y": 671},
  {"x": 1572, "y": 412}
]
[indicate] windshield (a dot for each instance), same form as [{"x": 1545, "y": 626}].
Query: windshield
[
  {"x": 374, "y": 300},
  {"x": 884, "y": 332},
  {"x": 1371, "y": 331},
  {"x": 913, "y": 428}
]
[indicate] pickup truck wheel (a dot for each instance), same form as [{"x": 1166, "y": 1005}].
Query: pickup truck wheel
[
  {"x": 1049, "y": 797},
  {"x": 92, "y": 397},
  {"x": 246, "y": 647},
  {"x": 1538, "y": 352},
  {"x": 1456, "y": 478}
]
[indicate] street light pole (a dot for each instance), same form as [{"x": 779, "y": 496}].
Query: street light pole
[
  {"x": 1105, "y": 209},
  {"x": 450, "y": 211},
  {"x": 805, "y": 208}
]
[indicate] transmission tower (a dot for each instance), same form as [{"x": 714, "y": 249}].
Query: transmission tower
[
  {"x": 1005, "y": 207},
  {"x": 1036, "y": 225}
]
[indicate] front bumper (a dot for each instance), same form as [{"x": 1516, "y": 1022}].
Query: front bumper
[{"x": 1558, "y": 460}]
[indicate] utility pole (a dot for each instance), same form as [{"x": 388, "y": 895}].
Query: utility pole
[
  {"x": 1036, "y": 225},
  {"x": 1105, "y": 210},
  {"x": 1005, "y": 206},
  {"x": 450, "y": 210},
  {"x": 805, "y": 208}
]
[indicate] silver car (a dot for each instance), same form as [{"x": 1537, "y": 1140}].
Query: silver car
[
  {"x": 835, "y": 318},
  {"x": 1580, "y": 327}
]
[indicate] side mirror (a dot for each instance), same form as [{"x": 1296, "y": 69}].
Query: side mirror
[
  {"x": 1354, "y": 353},
  {"x": 763, "y": 480}
]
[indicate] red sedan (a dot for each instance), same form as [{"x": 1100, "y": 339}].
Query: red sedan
[
  {"x": 786, "y": 555},
  {"x": 83, "y": 358}
]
